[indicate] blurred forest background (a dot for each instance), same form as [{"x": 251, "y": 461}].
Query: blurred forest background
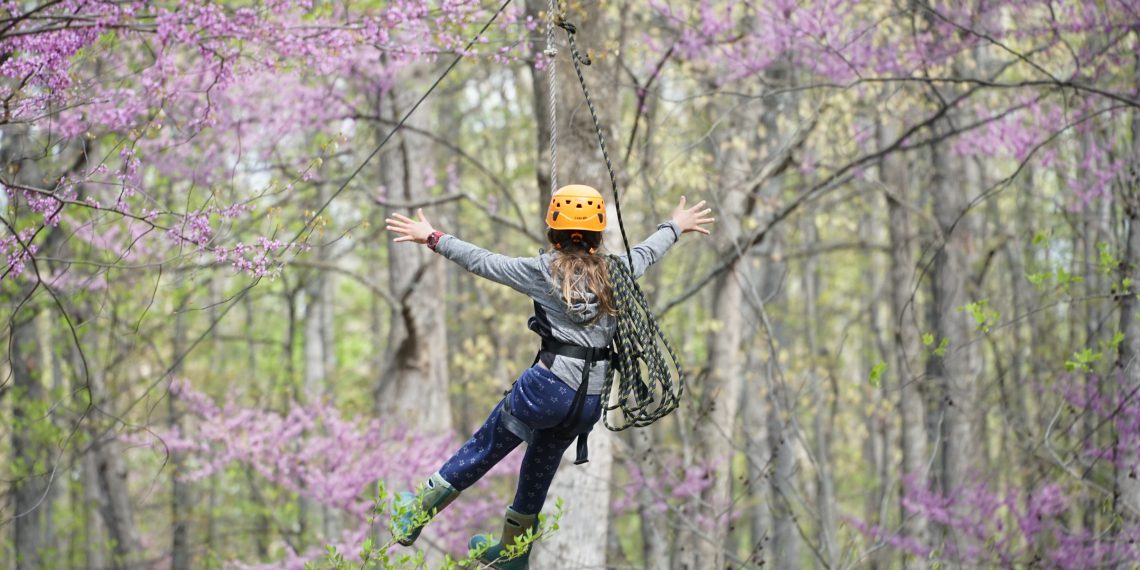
[{"x": 910, "y": 342}]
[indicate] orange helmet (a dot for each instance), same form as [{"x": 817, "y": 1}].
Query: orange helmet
[{"x": 577, "y": 207}]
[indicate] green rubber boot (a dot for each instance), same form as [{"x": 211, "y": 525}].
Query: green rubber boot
[
  {"x": 436, "y": 495},
  {"x": 515, "y": 525}
]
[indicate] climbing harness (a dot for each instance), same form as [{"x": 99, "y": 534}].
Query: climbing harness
[{"x": 590, "y": 356}]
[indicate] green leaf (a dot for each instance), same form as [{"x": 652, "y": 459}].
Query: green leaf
[
  {"x": 1083, "y": 361},
  {"x": 942, "y": 346},
  {"x": 877, "y": 374},
  {"x": 1107, "y": 261},
  {"x": 1038, "y": 278},
  {"x": 927, "y": 339},
  {"x": 984, "y": 317}
]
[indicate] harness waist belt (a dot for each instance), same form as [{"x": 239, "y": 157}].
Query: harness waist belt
[{"x": 589, "y": 355}]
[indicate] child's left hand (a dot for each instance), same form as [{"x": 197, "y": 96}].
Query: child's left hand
[
  {"x": 409, "y": 229},
  {"x": 692, "y": 219}
]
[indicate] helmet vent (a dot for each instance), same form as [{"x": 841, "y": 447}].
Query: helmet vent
[
  {"x": 579, "y": 205},
  {"x": 554, "y": 215}
]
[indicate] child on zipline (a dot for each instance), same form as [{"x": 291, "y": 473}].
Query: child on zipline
[{"x": 559, "y": 397}]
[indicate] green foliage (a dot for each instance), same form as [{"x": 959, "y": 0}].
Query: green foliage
[
  {"x": 1107, "y": 262},
  {"x": 1056, "y": 275},
  {"x": 940, "y": 350},
  {"x": 1082, "y": 361},
  {"x": 985, "y": 317},
  {"x": 1059, "y": 275},
  {"x": 877, "y": 374},
  {"x": 1086, "y": 359},
  {"x": 374, "y": 556}
]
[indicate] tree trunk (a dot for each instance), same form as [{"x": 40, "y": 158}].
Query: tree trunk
[
  {"x": 95, "y": 537},
  {"x": 821, "y": 422},
  {"x": 540, "y": 87},
  {"x": 957, "y": 371},
  {"x": 179, "y": 490},
  {"x": 319, "y": 351},
  {"x": 580, "y": 541},
  {"x": 1127, "y": 478},
  {"x": 319, "y": 360},
  {"x": 31, "y": 455},
  {"x": 754, "y": 412},
  {"x": 110, "y": 470},
  {"x": 879, "y": 416},
  {"x": 701, "y": 546},
  {"x": 651, "y": 503},
  {"x": 785, "y": 551},
  {"x": 413, "y": 383},
  {"x": 906, "y": 365}
]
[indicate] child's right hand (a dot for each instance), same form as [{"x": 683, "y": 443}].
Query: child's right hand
[{"x": 692, "y": 220}]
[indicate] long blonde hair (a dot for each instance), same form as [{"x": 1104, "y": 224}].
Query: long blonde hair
[{"x": 576, "y": 263}]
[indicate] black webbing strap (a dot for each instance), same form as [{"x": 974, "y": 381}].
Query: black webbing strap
[
  {"x": 513, "y": 424},
  {"x": 590, "y": 355}
]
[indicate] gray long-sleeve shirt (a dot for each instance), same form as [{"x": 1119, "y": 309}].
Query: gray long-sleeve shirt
[{"x": 531, "y": 277}]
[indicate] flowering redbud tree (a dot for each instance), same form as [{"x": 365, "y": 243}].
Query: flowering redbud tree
[
  {"x": 145, "y": 145},
  {"x": 313, "y": 451}
]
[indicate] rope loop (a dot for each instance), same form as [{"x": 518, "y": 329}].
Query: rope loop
[
  {"x": 571, "y": 31},
  {"x": 641, "y": 399}
]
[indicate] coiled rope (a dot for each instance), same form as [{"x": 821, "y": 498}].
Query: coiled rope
[
  {"x": 637, "y": 347},
  {"x": 641, "y": 399}
]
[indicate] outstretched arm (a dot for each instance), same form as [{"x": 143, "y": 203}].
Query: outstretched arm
[
  {"x": 520, "y": 273},
  {"x": 684, "y": 220}
]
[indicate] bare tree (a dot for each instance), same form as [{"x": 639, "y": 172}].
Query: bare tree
[
  {"x": 412, "y": 384},
  {"x": 31, "y": 456},
  {"x": 108, "y": 467},
  {"x": 180, "y": 505},
  {"x": 907, "y": 347},
  {"x": 1127, "y": 479}
]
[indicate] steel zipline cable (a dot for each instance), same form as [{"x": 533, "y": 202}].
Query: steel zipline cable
[
  {"x": 233, "y": 301},
  {"x": 404, "y": 119}
]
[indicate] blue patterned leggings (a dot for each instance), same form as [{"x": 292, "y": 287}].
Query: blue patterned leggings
[{"x": 540, "y": 400}]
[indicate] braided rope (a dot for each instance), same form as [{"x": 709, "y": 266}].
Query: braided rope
[
  {"x": 578, "y": 60},
  {"x": 551, "y": 53},
  {"x": 637, "y": 346}
]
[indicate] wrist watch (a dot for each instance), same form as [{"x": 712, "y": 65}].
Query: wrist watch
[{"x": 433, "y": 239}]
